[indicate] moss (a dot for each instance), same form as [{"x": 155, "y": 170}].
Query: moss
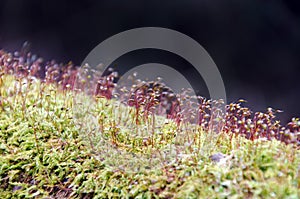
[{"x": 45, "y": 153}]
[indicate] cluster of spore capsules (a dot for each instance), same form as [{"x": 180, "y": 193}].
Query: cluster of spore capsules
[{"x": 151, "y": 97}]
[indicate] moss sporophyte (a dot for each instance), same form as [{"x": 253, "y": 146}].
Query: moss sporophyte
[{"x": 50, "y": 150}]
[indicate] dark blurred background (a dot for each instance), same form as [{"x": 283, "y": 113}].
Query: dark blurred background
[{"x": 254, "y": 43}]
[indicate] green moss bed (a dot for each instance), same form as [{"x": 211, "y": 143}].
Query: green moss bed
[{"x": 45, "y": 154}]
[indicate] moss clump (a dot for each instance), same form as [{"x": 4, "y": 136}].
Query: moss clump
[
  {"x": 44, "y": 153},
  {"x": 58, "y": 142}
]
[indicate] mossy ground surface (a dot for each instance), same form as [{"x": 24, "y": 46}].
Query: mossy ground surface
[{"x": 44, "y": 154}]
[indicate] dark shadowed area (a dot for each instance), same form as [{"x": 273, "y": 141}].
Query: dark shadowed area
[{"x": 255, "y": 44}]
